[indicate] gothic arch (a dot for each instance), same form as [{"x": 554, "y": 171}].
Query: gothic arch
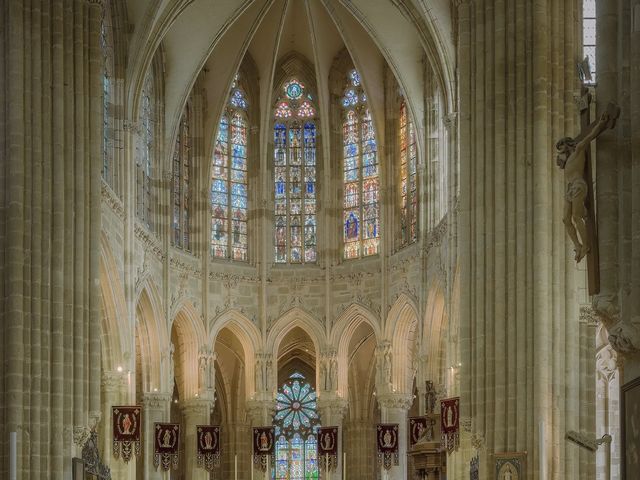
[
  {"x": 296, "y": 317},
  {"x": 116, "y": 330},
  {"x": 401, "y": 331},
  {"x": 152, "y": 338},
  {"x": 247, "y": 334},
  {"x": 190, "y": 334},
  {"x": 434, "y": 326},
  {"x": 342, "y": 333}
]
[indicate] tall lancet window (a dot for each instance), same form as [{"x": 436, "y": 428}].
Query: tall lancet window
[
  {"x": 229, "y": 200},
  {"x": 181, "y": 182},
  {"x": 361, "y": 211},
  {"x": 296, "y": 423},
  {"x": 106, "y": 44},
  {"x": 294, "y": 164},
  {"x": 408, "y": 179},
  {"x": 589, "y": 35},
  {"x": 145, "y": 152}
]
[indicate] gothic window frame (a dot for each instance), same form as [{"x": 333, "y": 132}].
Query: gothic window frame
[
  {"x": 296, "y": 421},
  {"x": 182, "y": 164},
  {"x": 237, "y": 108},
  {"x": 295, "y": 224},
  {"x": 145, "y": 154},
  {"x": 359, "y": 138},
  {"x": 409, "y": 193},
  {"x": 108, "y": 171}
]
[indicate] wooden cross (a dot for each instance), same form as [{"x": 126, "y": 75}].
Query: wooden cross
[{"x": 587, "y": 128}]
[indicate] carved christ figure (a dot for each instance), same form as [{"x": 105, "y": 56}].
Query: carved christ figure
[{"x": 572, "y": 159}]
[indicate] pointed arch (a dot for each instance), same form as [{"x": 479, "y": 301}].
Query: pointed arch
[
  {"x": 152, "y": 338},
  {"x": 341, "y": 334},
  {"x": 296, "y": 317},
  {"x": 401, "y": 330},
  {"x": 191, "y": 335},
  {"x": 433, "y": 332},
  {"x": 247, "y": 334},
  {"x": 116, "y": 330}
]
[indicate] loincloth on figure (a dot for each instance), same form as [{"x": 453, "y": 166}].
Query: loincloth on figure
[{"x": 576, "y": 188}]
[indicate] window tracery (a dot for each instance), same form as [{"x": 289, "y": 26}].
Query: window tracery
[
  {"x": 408, "y": 179},
  {"x": 229, "y": 181},
  {"x": 589, "y": 35},
  {"x": 361, "y": 210},
  {"x": 296, "y": 423},
  {"x": 295, "y": 176},
  {"x": 144, "y": 157},
  {"x": 181, "y": 182}
]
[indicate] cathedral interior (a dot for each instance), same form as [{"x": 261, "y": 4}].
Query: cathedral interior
[{"x": 295, "y": 214}]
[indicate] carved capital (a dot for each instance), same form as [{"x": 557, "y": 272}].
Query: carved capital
[
  {"x": 156, "y": 400},
  {"x": 260, "y": 409},
  {"x": 197, "y": 407},
  {"x": 395, "y": 400},
  {"x": 112, "y": 381},
  {"x": 81, "y": 434},
  {"x": 337, "y": 406},
  {"x": 589, "y": 315}
]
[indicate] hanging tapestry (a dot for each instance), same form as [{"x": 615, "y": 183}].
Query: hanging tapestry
[
  {"x": 166, "y": 443},
  {"x": 127, "y": 425},
  {"x": 387, "y": 442},
  {"x": 420, "y": 430},
  {"x": 263, "y": 446},
  {"x": 450, "y": 423},
  {"x": 328, "y": 448},
  {"x": 208, "y": 446}
]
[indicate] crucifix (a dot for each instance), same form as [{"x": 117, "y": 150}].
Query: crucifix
[{"x": 574, "y": 157}]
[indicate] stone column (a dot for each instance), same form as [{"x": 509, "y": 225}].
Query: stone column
[
  {"x": 394, "y": 408},
  {"x": 332, "y": 410},
  {"x": 195, "y": 411},
  {"x": 155, "y": 409}
]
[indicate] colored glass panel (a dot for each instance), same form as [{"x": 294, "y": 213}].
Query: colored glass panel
[
  {"x": 144, "y": 156},
  {"x": 296, "y": 422},
  {"x": 361, "y": 187},
  {"x": 181, "y": 182},
  {"x": 408, "y": 179},
  {"x": 294, "y": 164},
  {"x": 229, "y": 188}
]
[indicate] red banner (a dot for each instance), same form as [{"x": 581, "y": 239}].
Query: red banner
[
  {"x": 387, "y": 442},
  {"x": 328, "y": 448},
  {"x": 450, "y": 423},
  {"x": 208, "y": 446},
  {"x": 127, "y": 425},
  {"x": 263, "y": 446},
  {"x": 420, "y": 430},
  {"x": 166, "y": 445}
]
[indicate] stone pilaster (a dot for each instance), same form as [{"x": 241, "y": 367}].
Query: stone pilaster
[
  {"x": 155, "y": 409},
  {"x": 195, "y": 411},
  {"x": 394, "y": 409}
]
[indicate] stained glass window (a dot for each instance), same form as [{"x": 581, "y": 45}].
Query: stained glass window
[
  {"x": 408, "y": 179},
  {"x": 144, "y": 155},
  {"x": 296, "y": 423},
  {"x": 361, "y": 211},
  {"x": 294, "y": 159},
  {"x": 181, "y": 182},
  {"x": 229, "y": 192},
  {"x": 589, "y": 35}
]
